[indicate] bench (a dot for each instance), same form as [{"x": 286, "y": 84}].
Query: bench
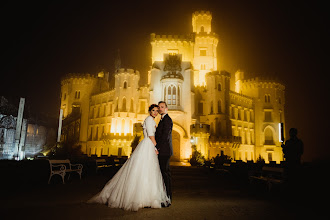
[
  {"x": 62, "y": 167},
  {"x": 224, "y": 168},
  {"x": 101, "y": 163},
  {"x": 269, "y": 175}
]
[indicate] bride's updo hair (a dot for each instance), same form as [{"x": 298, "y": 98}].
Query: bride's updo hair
[{"x": 152, "y": 106}]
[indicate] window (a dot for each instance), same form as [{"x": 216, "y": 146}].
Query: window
[
  {"x": 269, "y": 137},
  {"x": 125, "y": 85},
  {"x": 268, "y": 116},
  {"x": 172, "y": 97},
  {"x": 270, "y": 156},
  {"x": 169, "y": 96},
  {"x": 77, "y": 95},
  {"x": 219, "y": 106},
  {"x": 202, "y": 52},
  {"x": 97, "y": 134},
  {"x": 123, "y": 108},
  {"x": 202, "y": 28},
  {"x": 211, "y": 108},
  {"x": 200, "y": 108},
  {"x": 132, "y": 105},
  {"x": 219, "y": 87},
  {"x": 203, "y": 66},
  {"x": 267, "y": 98}
]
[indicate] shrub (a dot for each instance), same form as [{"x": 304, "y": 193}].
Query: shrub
[{"x": 197, "y": 159}]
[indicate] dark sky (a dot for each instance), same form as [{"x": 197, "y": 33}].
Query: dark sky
[{"x": 284, "y": 39}]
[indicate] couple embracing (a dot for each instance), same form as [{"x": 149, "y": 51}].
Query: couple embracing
[{"x": 145, "y": 178}]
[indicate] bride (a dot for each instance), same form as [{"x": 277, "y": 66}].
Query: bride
[{"x": 139, "y": 182}]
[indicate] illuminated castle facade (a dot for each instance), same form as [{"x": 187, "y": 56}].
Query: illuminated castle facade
[{"x": 218, "y": 112}]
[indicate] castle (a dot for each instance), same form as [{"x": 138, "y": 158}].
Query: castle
[{"x": 218, "y": 112}]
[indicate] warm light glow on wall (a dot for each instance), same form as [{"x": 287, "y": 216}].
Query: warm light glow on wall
[{"x": 121, "y": 126}]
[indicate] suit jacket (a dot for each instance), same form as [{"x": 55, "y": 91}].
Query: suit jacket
[{"x": 164, "y": 136}]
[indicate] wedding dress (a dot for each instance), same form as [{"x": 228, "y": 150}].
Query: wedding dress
[{"x": 139, "y": 182}]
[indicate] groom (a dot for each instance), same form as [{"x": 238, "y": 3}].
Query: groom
[{"x": 164, "y": 146}]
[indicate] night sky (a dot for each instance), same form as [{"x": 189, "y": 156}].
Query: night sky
[{"x": 282, "y": 39}]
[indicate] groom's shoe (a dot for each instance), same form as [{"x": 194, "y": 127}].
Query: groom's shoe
[{"x": 165, "y": 205}]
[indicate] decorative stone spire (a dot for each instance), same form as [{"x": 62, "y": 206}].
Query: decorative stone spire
[{"x": 117, "y": 61}]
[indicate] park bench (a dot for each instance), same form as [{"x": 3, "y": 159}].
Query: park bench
[
  {"x": 62, "y": 167},
  {"x": 102, "y": 163},
  {"x": 269, "y": 175},
  {"x": 224, "y": 168}
]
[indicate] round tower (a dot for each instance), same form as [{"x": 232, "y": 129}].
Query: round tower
[{"x": 269, "y": 112}]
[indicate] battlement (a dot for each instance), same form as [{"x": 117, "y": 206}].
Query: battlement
[
  {"x": 164, "y": 38},
  {"x": 241, "y": 97},
  {"x": 129, "y": 71},
  {"x": 78, "y": 77},
  {"x": 199, "y": 128},
  {"x": 263, "y": 82},
  {"x": 202, "y": 13}
]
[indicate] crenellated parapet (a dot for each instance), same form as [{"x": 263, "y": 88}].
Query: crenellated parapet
[
  {"x": 77, "y": 78},
  {"x": 188, "y": 39},
  {"x": 240, "y": 98},
  {"x": 199, "y": 128},
  {"x": 261, "y": 82},
  {"x": 202, "y": 13},
  {"x": 127, "y": 71}
]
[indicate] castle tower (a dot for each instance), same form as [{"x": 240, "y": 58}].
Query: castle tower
[
  {"x": 76, "y": 90},
  {"x": 205, "y": 48},
  {"x": 126, "y": 102}
]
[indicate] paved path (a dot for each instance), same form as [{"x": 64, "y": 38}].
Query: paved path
[{"x": 197, "y": 194}]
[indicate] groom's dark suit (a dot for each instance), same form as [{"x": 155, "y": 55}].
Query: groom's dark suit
[{"x": 164, "y": 146}]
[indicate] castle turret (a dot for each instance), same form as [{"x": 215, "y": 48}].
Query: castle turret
[
  {"x": 201, "y": 22},
  {"x": 76, "y": 90},
  {"x": 205, "y": 48}
]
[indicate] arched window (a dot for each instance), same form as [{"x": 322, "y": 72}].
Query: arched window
[
  {"x": 123, "y": 108},
  {"x": 211, "y": 109},
  {"x": 169, "y": 96},
  {"x": 219, "y": 106},
  {"x": 132, "y": 105},
  {"x": 202, "y": 29},
  {"x": 219, "y": 87},
  {"x": 269, "y": 140},
  {"x": 125, "y": 85},
  {"x": 97, "y": 134}
]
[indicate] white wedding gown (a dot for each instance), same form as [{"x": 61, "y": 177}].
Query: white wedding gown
[{"x": 139, "y": 182}]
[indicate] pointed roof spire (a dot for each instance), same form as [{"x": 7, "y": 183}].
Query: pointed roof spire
[{"x": 117, "y": 61}]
